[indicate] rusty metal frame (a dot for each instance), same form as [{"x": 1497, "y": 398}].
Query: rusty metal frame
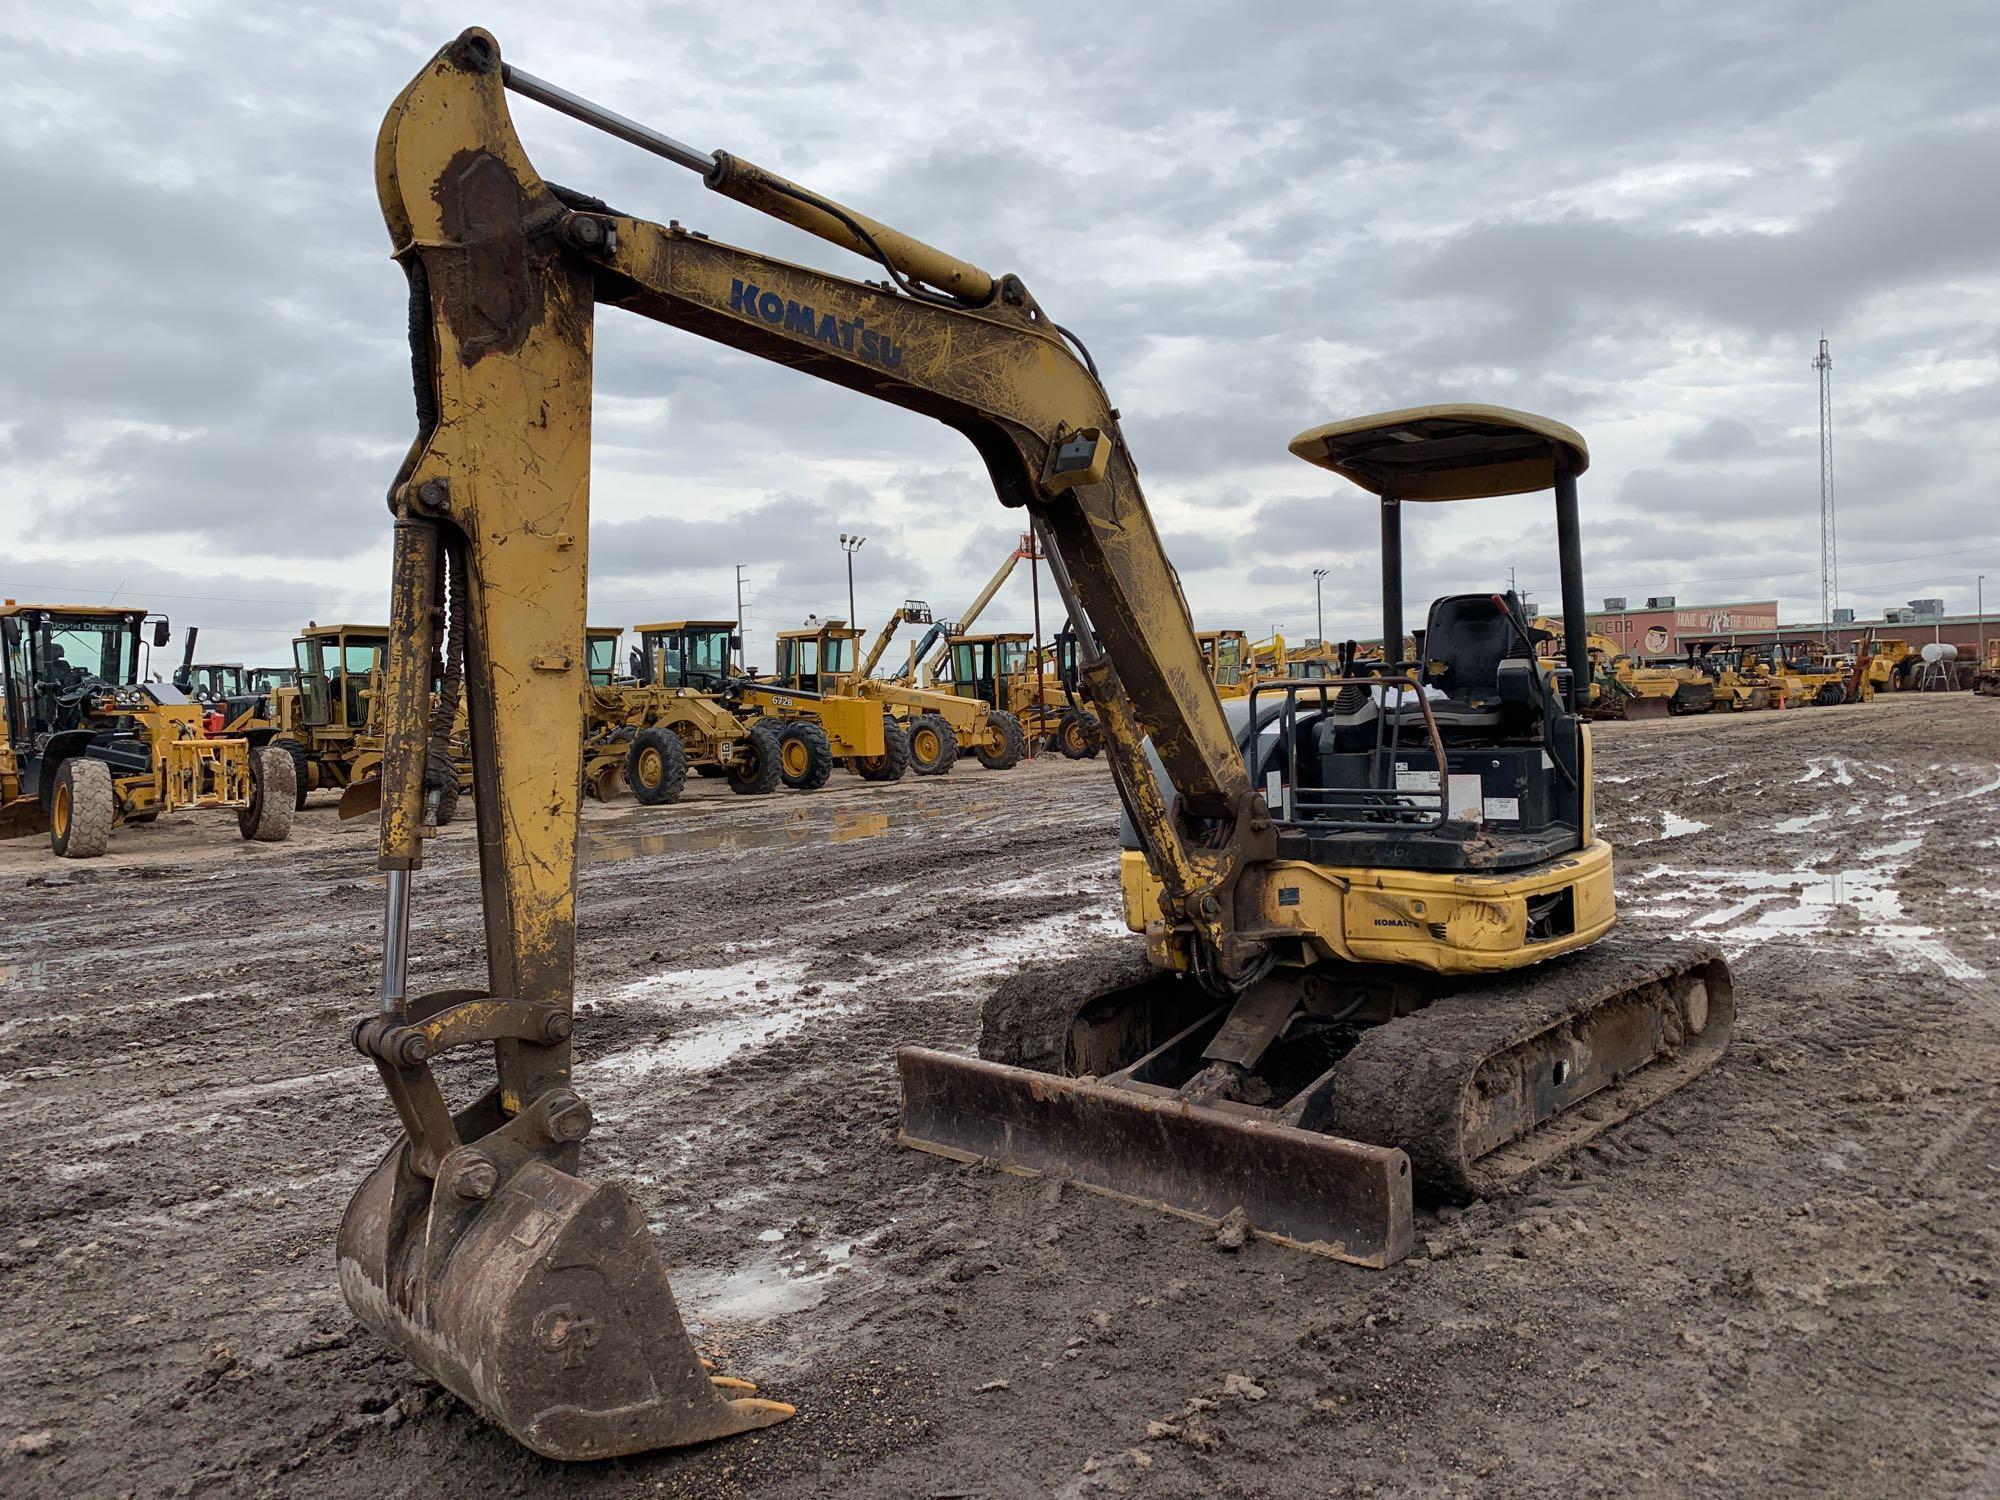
[{"x": 1352, "y": 809}]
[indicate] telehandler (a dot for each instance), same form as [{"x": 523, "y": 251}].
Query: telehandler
[
  {"x": 90, "y": 746},
  {"x": 1331, "y": 911}
]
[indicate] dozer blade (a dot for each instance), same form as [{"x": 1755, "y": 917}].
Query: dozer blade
[
  {"x": 1648, "y": 708},
  {"x": 544, "y": 1305},
  {"x": 1313, "y": 1192}
]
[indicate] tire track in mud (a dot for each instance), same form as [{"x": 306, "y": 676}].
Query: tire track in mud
[{"x": 1782, "y": 1267}]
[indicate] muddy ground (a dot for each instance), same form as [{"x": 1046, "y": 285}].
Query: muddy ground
[{"x": 1776, "y": 1282}]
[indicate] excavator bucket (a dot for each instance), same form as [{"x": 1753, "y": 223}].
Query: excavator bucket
[
  {"x": 1313, "y": 1192},
  {"x": 543, "y": 1304}
]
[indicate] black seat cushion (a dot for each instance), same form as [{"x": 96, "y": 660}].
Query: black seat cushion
[{"x": 1467, "y": 638}]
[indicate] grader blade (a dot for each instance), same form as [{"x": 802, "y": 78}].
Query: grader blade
[
  {"x": 361, "y": 798},
  {"x": 1313, "y": 1192},
  {"x": 22, "y": 817},
  {"x": 542, "y": 1304}
]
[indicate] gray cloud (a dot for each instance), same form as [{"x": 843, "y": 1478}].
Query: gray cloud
[{"x": 1636, "y": 221}]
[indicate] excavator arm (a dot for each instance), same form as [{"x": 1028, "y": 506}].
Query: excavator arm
[
  {"x": 475, "y": 1247},
  {"x": 508, "y": 269}
]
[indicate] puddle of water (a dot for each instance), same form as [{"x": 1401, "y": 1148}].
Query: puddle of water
[
  {"x": 773, "y": 1287},
  {"x": 1674, "y": 826},
  {"x": 1895, "y": 850},
  {"x": 770, "y": 985},
  {"x": 650, "y": 831},
  {"x": 1815, "y": 899},
  {"x": 1800, "y": 825}
]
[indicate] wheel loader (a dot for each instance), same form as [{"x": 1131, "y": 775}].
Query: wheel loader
[
  {"x": 90, "y": 745},
  {"x": 1377, "y": 939},
  {"x": 1986, "y": 674},
  {"x": 1881, "y": 665}
]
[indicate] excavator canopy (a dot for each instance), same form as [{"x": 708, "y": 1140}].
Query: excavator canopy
[{"x": 1456, "y": 452}]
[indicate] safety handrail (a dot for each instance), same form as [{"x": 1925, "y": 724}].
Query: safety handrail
[{"x": 1351, "y": 808}]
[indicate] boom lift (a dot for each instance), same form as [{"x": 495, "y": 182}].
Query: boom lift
[
  {"x": 933, "y": 665},
  {"x": 475, "y": 1247}
]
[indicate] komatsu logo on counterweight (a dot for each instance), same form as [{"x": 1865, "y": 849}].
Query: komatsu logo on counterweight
[{"x": 795, "y": 317}]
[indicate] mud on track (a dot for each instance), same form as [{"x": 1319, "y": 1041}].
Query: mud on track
[{"x": 1778, "y": 1281}]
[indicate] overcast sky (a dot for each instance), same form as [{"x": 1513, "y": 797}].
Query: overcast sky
[{"x": 1635, "y": 219}]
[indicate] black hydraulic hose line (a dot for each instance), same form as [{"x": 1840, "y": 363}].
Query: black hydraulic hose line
[{"x": 420, "y": 348}]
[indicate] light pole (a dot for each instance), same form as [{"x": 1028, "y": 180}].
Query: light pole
[
  {"x": 851, "y": 545},
  {"x": 1319, "y": 611},
  {"x": 1980, "y": 589}
]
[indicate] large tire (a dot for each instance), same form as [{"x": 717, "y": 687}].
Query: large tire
[
  {"x": 806, "y": 755},
  {"x": 273, "y": 796},
  {"x": 301, "y": 773},
  {"x": 933, "y": 746},
  {"x": 1073, "y": 736},
  {"x": 656, "y": 767},
  {"x": 894, "y": 759},
  {"x": 1013, "y": 742},
  {"x": 82, "y": 809},
  {"x": 759, "y": 767},
  {"x": 1830, "y": 693},
  {"x": 447, "y": 803}
]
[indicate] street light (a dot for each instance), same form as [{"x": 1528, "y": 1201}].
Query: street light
[
  {"x": 1980, "y": 587},
  {"x": 850, "y": 545},
  {"x": 1318, "y": 610}
]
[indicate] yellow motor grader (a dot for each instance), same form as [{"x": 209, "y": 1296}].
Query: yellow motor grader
[
  {"x": 90, "y": 745},
  {"x": 328, "y": 721},
  {"x": 1226, "y": 654},
  {"x": 676, "y": 716},
  {"x": 1373, "y": 920},
  {"x": 940, "y": 725},
  {"x": 1000, "y": 668}
]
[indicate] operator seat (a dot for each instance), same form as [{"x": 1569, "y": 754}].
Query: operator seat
[{"x": 1466, "y": 639}]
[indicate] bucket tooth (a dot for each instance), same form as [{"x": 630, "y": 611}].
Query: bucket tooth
[
  {"x": 544, "y": 1305},
  {"x": 1314, "y": 1192}
]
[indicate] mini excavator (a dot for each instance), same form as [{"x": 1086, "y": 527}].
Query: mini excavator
[{"x": 1375, "y": 913}]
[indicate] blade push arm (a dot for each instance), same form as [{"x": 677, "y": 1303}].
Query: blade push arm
[{"x": 508, "y": 268}]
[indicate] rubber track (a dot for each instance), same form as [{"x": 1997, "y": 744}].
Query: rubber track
[{"x": 1405, "y": 1083}]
